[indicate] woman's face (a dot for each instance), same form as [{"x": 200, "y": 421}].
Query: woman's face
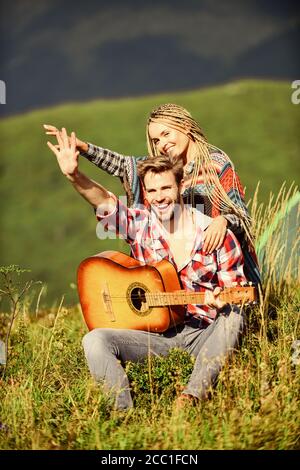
[{"x": 168, "y": 141}]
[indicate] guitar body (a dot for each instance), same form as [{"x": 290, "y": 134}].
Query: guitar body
[{"x": 112, "y": 289}]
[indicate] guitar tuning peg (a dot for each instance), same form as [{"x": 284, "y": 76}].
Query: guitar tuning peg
[
  {"x": 244, "y": 283},
  {"x": 250, "y": 283},
  {"x": 234, "y": 284}
]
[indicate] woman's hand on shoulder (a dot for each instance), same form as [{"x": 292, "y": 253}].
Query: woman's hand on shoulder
[{"x": 214, "y": 235}]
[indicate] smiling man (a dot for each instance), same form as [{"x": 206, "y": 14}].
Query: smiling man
[{"x": 169, "y": 230}]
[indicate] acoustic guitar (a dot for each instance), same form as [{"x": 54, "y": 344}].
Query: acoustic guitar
[{"x": 117, "y": 291}]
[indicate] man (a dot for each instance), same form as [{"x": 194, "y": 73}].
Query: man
[{"x": 167, "y": 230}]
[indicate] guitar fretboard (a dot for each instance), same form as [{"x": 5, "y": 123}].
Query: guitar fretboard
[
  {"x": 231, "y": 295},
  {"x": 159, "y": 299}
]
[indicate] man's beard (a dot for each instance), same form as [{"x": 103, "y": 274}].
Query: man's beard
[{"x": 172, "y": 216}]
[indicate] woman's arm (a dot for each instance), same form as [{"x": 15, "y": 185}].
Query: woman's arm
[
  {"x": 231, "y": 183},
  {"x": 122, "y": 166},
  {"x": 111, "y": 162},
  {"x": 223, "y": 219},
  {"x": 234, "y": 223}
]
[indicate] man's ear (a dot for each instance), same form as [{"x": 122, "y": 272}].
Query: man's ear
[{"x": 181, "y": 184}]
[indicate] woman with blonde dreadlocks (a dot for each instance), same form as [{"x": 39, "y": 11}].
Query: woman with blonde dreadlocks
[{"x": 210, "y": 181}]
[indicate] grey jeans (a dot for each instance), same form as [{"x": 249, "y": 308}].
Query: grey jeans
[{"x": 107, "y": 350}]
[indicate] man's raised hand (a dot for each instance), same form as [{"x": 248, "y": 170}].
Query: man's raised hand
[{"x": 66, "y": 153}]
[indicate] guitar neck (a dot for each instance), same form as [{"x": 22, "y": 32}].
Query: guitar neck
[
  {"x": 160, "y": 299},
  {"x": 241, "y": 294}
]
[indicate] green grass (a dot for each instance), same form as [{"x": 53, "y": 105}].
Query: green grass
[
  {"x": 49, "y": 401},
  {"x": 50, "y": 229}
]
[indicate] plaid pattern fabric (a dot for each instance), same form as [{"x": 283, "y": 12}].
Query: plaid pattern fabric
[
  {"x": 111, "y": 162},
  {"x": 141, "y": 229}
]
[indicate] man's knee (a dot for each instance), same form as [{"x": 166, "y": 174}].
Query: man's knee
[
  {"x": 95, "y": 342},
  {"x": 229, "y": 327}
]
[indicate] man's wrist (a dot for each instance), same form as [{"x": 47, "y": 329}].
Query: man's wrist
[{"x": 73, "y": 177}]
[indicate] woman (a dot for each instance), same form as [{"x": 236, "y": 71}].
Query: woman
[{"x": 210, "y": 181}]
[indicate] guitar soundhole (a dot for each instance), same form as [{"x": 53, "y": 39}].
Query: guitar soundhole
[{"x": 137, "y": 299}]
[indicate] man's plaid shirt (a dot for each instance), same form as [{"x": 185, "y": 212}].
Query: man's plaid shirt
[{"x": 145, "y": 234}]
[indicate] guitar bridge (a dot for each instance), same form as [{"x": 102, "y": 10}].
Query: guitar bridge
[{"x": 108, "y": 303}]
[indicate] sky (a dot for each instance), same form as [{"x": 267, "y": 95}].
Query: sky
[{"x": 61, "y": 50}]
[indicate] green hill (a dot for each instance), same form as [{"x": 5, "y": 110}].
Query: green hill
[{"x": 50, "y": 229}]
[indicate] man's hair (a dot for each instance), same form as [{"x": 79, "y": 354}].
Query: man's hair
[{"x": 160, "y": 165}]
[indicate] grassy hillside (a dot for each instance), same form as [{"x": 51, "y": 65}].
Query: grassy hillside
[
  {"x": 49, "y": 229},
  {"x": 48, "y": 399}
]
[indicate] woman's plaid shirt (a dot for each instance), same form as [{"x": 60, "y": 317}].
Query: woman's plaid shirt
[{"x": 145, "y": 234}]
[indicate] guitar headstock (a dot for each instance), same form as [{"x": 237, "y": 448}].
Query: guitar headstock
[{"x": 244, "y": 293}]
